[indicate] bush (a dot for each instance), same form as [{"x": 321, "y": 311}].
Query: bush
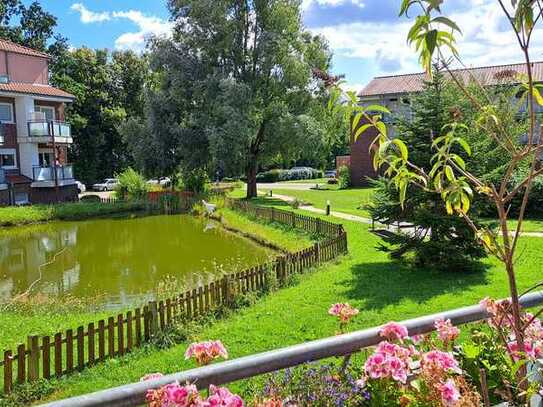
[
  {"x": 90, "y": 198},
  {"x": 344, "y": 177},
  {"x": 271, "y": 176},
  {"x": 132, "y": 185},
  {"x": 196, "y": 180}
]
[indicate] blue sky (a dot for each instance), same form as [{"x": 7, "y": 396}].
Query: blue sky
[{"x": 367, "y": 36}]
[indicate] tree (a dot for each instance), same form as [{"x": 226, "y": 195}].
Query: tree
[
  {"x": 247, "y": 74},
  {"x": 440, "y": 239}
]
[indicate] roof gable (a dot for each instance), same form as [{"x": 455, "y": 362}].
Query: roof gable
[{"x": 9, "y": 46}]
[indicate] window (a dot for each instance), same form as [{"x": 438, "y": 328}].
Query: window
[
  {"x": 48, "y": 111},
  {"x": 45, "y": 159},
  {"x": 7, "y": 158},
  {"x": 6, "y": 113}
]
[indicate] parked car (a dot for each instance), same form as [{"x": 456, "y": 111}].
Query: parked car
[
  {"x": 80, "y": 187},
  {"x": 109, "y": 184},
  {"x": 163, "y": 182},
  {"x": 330, "y": 173}
]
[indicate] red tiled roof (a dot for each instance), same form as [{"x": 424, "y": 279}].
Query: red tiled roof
[
  {"x": 34, "y": 89},
  {"x": 17, "y": 179},
  {"x": 487, "y": 76},
  {"x": 19, "y": 49}
]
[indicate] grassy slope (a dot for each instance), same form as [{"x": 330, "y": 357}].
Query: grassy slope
[
  {"x": 51, "y": 317},
  {"x": 383, "y": 290},
  {"x": 13, "y": 215}
]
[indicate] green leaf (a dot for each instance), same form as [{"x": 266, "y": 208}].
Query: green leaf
[
  {"x": 431, "y": 41},
  {"x": 402, "y": 147},
  {"x": 361, "y": 130},
  {"x": 449, "y": 173},
  {"x": 537, "y": 96},
  {"x": 356, "y": 119},
  {"x": 464, "y": 145},
  {"x": 378, "y": 108},
  {"x": 448, "y": 22}
]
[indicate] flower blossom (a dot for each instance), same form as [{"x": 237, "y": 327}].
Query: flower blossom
[
  {"x": 441, "y": 361},
  {"x": 393, "y": 331},
  {"x": 389, "y": 361},
  {"x": 174, "y": 394},
  {"x": 343, "y": 311},
  {"x": 532, "y": 350},
  {"x": 446, "y": 332},
  {"x": 222, "y": 397},
  {"x": 151, "y": 376},
  {"x": 206, "y": 352},
  {"x": 449, "y": 393}
]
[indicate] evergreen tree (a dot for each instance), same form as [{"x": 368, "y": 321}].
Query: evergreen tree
[{"x": 439, "y": 240}]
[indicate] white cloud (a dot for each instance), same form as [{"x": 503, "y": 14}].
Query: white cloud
[
  {"x": 486, "y": 40},
  {"x": 331, "y": 3},
  {"x": 88, "y": 16},
  {"x": 146, "y": 25}
]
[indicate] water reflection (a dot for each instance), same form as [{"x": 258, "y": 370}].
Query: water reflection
[{"x": 120, "y": 259}]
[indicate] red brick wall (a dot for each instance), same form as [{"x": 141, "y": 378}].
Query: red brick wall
[
  {"x": 362, "y": 158},
  {"x": 342, "y": 160}
]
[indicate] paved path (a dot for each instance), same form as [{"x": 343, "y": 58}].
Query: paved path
[
  {"x": 360, "y": 219},
  {"x": 289, "y": 185}
]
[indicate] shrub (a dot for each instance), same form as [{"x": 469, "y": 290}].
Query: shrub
[
  {"x": 271, "y": 176},
  {"x": 132, "y": 185},
  {"x": 344, "y": 177},
  {"x": 196, "y": 180},
  {"x": 90, "y": 198}
]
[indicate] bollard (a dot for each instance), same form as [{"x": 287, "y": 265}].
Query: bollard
[{"x": 327, "y": 208}]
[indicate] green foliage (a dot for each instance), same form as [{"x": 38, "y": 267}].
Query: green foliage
[
  {"x": 441, "y": 239},
  {"x": 344, "y": 177},
  {"x": 274, "y": 175},
  {"x": 196, "y": 180},
  {"x": 25, "y": 394},
  {"x": 90, "y": 198},
  {"x": 131, "y": 186}
]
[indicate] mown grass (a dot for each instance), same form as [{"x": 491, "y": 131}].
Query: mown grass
[
  {"x": 23, "y": 215},
  {"x": 382, "y": 289},
  {"x": 350, "y": 200}
]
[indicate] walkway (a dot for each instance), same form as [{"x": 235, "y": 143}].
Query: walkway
[{"x": 360, "y": 219}]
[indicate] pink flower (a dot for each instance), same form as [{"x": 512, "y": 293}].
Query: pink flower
[
  {"x": 174, "y": 394},
  {"x": 389, "y": 361},
  {"x": 397, "y": 369},
  {"x": 449, "y": 393},
  {"x": 205, "y": 352},
  {"x": 446, "y": 332},
  {"x": 221, "y": 396},
  {"x": 151, "y": 376},
  {"x": 376, "y": 366},
  {"x": 361, "y": 383},
  {"x": 437, "y": 359},
  {"x": 417, "y": 339},
  {"x": 343, "y": 311},
  {"x": 393, "y": 331},
  {"x": 532, "y": 350}
]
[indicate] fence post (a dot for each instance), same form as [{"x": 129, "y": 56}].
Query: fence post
[
  {"x": 293, "y": 219},
  {"x": 272, "y": 214},
  {"x": 8, "y": 371},
  {"x": 153, "y": 318},
  {"x": 317, "y": 253},
  {"x": 226, "y": 290},
  {"x": 33, "y": 358},
  {"x": 318, "y": 221}
]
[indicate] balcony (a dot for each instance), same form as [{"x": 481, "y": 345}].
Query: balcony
[
  {"x": 43, "y": 128},
  {"x": 64, "y": 172}
]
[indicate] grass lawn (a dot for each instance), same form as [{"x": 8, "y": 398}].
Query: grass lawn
[
  {"x": 342, "y": 200},
  {"x": 382, "y": 289},
  {"x": 41, "y": 315},
  {"x": 21, "y": 215}
]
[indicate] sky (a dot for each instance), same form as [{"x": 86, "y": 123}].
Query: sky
[{"x": 367, "y": 36}]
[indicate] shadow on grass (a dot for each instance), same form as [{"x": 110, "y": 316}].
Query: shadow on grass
[
  {"x": 269, "y": 201},
  {"x": 388, "y": 283}
]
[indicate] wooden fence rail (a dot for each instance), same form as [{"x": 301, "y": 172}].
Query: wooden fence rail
[{"x": 70, "y": 351}]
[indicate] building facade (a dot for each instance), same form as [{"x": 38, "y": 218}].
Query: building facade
[
  {"x": 395, "y": 92},
  {"x": 34, "y": 136}
]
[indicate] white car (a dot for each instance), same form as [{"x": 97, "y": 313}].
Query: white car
[
  {"x": 109, "y": 184},
  {"x": 80, "y": 187},
  {"x": 163, "y": 182}
]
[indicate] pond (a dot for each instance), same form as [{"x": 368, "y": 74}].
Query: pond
[{"x": 120, "y": 261}]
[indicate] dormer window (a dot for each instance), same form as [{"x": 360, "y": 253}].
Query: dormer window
[
  {"x": 6, "y": 113},
  {"x": 4, "y": 79}
]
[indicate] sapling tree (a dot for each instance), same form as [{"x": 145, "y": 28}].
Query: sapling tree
[{"x": 433, "y": 35}]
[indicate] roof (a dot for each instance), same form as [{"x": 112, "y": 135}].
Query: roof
[
  {"x": 487, "y": 76},
  {"x": 17, "y": 179},
  {"x": 35, "y": 89},
  {"x": 19, "y": 49}
]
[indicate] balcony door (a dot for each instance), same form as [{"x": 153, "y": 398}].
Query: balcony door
[{"x": 48, "y": 112}]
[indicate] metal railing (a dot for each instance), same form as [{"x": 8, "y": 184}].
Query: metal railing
[
  {"x": 43, "y": 128},
  {"x": 48, "y": 173},
  {"x": 249, "y": 366}
]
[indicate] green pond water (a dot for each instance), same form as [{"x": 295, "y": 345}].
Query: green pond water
[{"x": 120, "y": 261}]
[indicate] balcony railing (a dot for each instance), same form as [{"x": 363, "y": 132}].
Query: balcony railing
[
  {"x": 48, "y": 173},
  {"x": 2, "y": 176},
  {"x": 43, "y": 128}
]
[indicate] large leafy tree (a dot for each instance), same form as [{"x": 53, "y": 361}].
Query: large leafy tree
[{"x": 236, "y": 82}]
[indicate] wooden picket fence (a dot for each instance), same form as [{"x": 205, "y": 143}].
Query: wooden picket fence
[{"x": 74, "y": 350}]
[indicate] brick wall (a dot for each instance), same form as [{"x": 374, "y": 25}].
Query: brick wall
[{"x": 361, "y": 158}]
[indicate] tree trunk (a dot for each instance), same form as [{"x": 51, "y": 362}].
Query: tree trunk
[{"x": 251, "y": 177}]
